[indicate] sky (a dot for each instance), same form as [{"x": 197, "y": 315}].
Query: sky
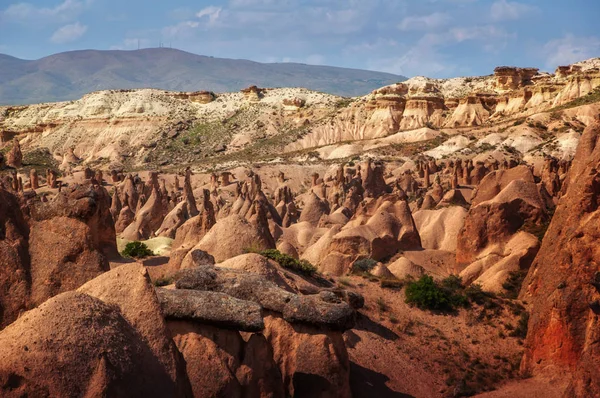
[{"x": 436, "y": 38}]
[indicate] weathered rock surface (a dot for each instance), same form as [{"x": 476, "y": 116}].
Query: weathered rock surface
[
  {"x": 211, "y": 307},
  {"x": 129, "y": 287},
  {"x": 88, "y": 343},
  {"x": 564, "y": 328},
  {"x": 71, "y": 239},
  {"x": 14, "y": 259}
]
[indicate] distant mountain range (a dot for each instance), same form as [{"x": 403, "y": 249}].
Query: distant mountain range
[{"x": 69, "y": 75}]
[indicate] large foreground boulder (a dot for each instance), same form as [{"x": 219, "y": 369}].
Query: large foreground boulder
[
  {"x": 76, "y": 345},
  {"x": 129, "y": 287},
  {"x": 563, "y": 284}
]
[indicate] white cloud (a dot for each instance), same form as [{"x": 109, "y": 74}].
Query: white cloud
[
  {"x": 570, "y": 49},
  {"x": 27, "y": 12},
  {"x": 503, "y": 10},
  {"x": 425, "y": 22},
  {"x": 68, "y": 33},
  {"x": 211, "y": 12}
]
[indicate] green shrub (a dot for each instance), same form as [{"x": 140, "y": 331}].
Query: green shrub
[
  {"x": 289, "y": 262},
  {"x": 476, "y": 294},
  {"x": 136, "y": 250},
  {"x": 445, "y": 296},
  {"x": 426, "y": 294},
  {"x": 453, "y": 283},
  {"x": 363, "y": 265}
]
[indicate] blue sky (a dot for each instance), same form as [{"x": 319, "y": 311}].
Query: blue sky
[{"x": 437, "y": 38}]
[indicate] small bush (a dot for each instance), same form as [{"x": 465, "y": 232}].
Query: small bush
[
  {"x": 289, "y": 262},
  {"x": 476, "y": 294},
  {"x": 381, "y": 305},
  {"x": 363, "y": 265},
  {"x": 512, "y": 285},
  {"x": 521, "y": 329},
  {"x": 164, "y": 281},
  {"x": 136, "y": 250},
  {"x": 453, "y": 282},
  {"x": 426, "y": 294},
  {"x": 448, "y": 295}
]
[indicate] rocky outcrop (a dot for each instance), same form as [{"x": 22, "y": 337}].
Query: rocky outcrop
[
  {"x": 14, "y": 158},
  {"x": 150, "y": 216},
  {"x": 192, "y": 231},
  {"x": 300, "y": 340},
  {"x": 211, "y": 308},
  {"x": 129, "y": 287},
  {"x": 487, "y": 242},
  {"x": 77, "y": 345},
  {"x": 562, "y": 284},
  {"x": 14, "y": 259},
  {"x": 71, "y": 239},
  {"x": 222, "y": 363},
  {"x": 375, "y": 234},
  {"x": 314, "y": 209},
  {"x": 512, "y": 78}
]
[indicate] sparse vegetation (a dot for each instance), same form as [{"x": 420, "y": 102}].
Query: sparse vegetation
[
  {"x": 343, "y": 103},
  {"x": 363, "y": 265},
  {"x": 391, "y": 283},
  {"x": 381, "y": 305},
  {"x": 521, "y": 330},
  {"x": 136, "y": 250},
  {"x": 289, "y": 262},
  {"x": 513, "y": 284},
  {"x": 590, "y": 98},
  {"x": 163, "y": 281},
  {"x": 425, "y": 293},
  {"x": 344, "y": 281}
]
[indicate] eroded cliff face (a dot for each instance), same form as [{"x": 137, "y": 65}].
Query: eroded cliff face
[
  {"x": 454, "y": 103},
  {"x": 563, "y": 284},
  {"x": 125, "y": 126}
]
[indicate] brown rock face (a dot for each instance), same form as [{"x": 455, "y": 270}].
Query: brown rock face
[
  {"x": 221, "y": 364},
  {"x": 563, "y": 284},
  {"x": 495, "y": 220},
  {"x": 376, "y": 232},
  {"x": 34, "y": 180},
  {"x": 88, "y": 343},
  {"x": 71, "y": 239},
  {"x": 314, "y": 363},
  {"x": 149, "y": 217},
  {"x": 511, "y": 78},
  {"x": 130, "y": 288},
  {"x": 14, "y": 259},
  {"x": 15, "y": 156}
]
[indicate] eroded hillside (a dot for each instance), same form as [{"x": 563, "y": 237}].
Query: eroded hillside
[{"x": 301, "y": 244}]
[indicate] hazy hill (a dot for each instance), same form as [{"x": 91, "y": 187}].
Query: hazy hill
[{"x": 69, "y": 75}]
